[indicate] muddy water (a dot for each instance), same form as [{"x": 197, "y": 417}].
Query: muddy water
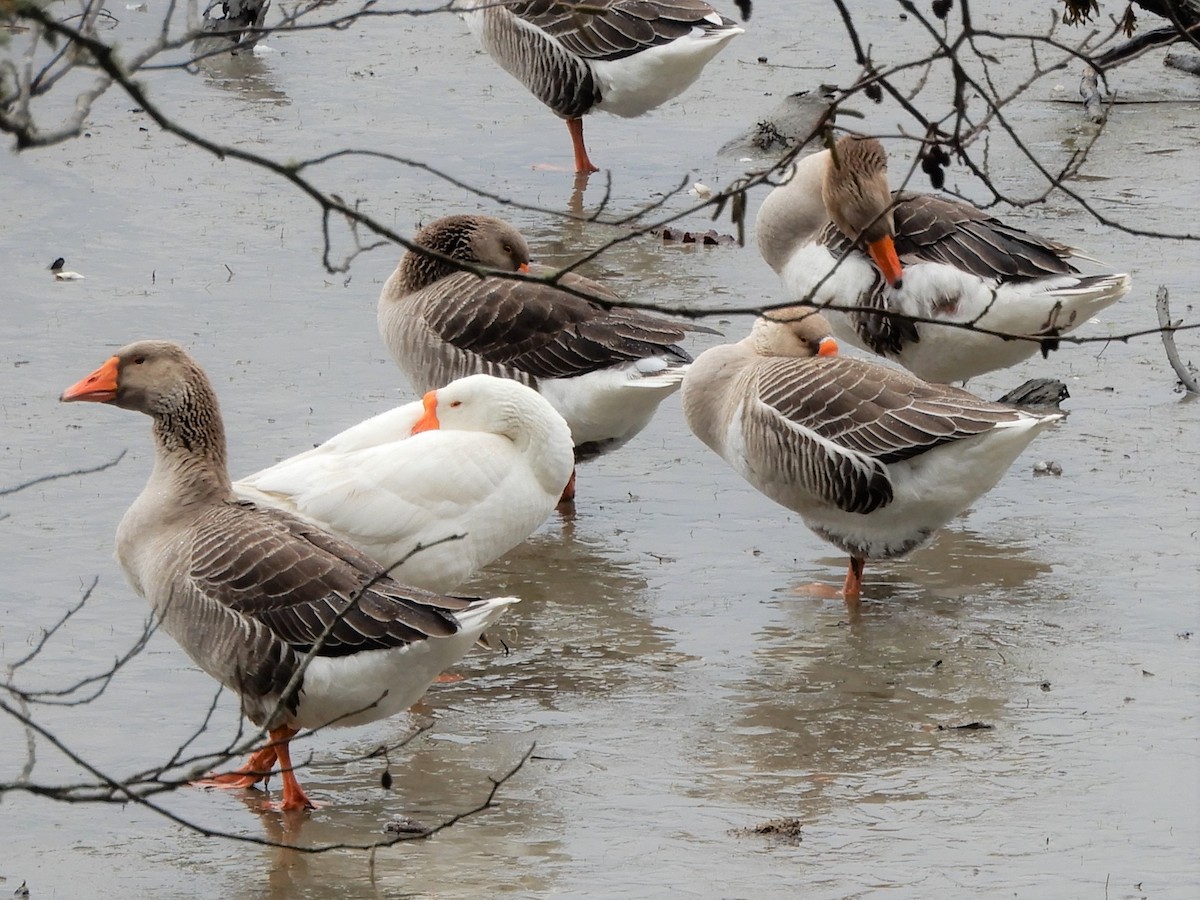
[{"x": 677, "y": 690}]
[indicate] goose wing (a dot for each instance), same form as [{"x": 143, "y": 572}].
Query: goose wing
[
  {"x": 838, "y": 423},
  {"x": 545, "y": 332},
  {"x": 300, "y": 583},
  {"x": 615, "y": 29}
]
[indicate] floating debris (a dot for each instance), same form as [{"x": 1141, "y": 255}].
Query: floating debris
[
  {"x": 786, "y": 830},
  {"x": 708, "y": 238},
  {"x": 61, "y": 274},
  {"x": 1047, "y": 467}
]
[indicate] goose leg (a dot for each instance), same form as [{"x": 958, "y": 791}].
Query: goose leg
[
  {"x": 294, "y": 797},
  {"x": 256, "y": 769},
  {"x": 568, "y": 494},
  {"x": 582, "y": 163},
  {"x": 852, "y": 590}
]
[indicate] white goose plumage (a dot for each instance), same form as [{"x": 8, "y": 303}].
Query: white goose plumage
[
  {"x": 605, "y": 369},
  {"x": 619, "y": 56},
  {"x": 873, "y": 459},
  {"x": 483, "y": 458},
  {"x": 836, "y": 234},
  {"x": 248, "y": 593}
]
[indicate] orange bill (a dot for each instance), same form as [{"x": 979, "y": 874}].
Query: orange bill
[
  {"x": 827, "y": 347},
  {"x": 883, "y": 251},
  {"x": 429, "y": 421},
  {"x": 523, "y": 268},
  {"x": 99, "y": 387}
]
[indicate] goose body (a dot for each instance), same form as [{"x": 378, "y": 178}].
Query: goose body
[
  {"x": 248, "y": 592},
  {"x": 624, "y": 57},
  {"x": 837, "y": 234},
  {"x": 604, "y": 370},
  {"x": 873, "y": 459},
  {"x": 487, "y": 462}
]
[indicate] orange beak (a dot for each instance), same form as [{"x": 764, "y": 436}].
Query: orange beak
[
  {"x": 523, "y": 268},
  {"x": 429, "y": 421},
  {"x": 827, "y": 347},
  {"x": 99, "y": 387},
  {"x": 883, "y": 251}
]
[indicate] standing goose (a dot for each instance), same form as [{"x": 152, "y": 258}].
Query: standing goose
[
  {"x": 836, "y": 233},
  {"x": 249, "y": 592},
  {"x": 483, "y": 458},
  {"x": 873, "y": 459},
  {"x": 604, "y": 370},
  {"x": 620, "y": 56}
]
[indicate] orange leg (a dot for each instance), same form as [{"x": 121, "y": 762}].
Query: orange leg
[
  {"x": 256, "y": 769},
  {"x": 568, "y": 494},
  {"x": 582, "y": 163},
  {"x": 852, "y": 590},
  {"x": 294, "y": 797}
]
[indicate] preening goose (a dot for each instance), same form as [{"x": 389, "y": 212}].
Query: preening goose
[
  {"x": 619, "y": 56},
  {"x": 830, "y": 235},
  {"x": 483, "y": 458},
  {"x": 873, "y": 459},
  {"x": 604, "y": 370},
  {"x": 248, "y": 592}
]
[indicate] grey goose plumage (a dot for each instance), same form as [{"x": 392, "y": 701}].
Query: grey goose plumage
[
  {"x": 873, "y": 459},
  {"x": 839, "y": 236},
  {"x": 620, "y": 56},
  {"x": 249, "y": 592},
  {"x": 604, "y": 368}
]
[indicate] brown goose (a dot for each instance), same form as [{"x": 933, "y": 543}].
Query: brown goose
[
  {"x": 620, "y": 56},
  {"x": 837, "y": 234},
  {"x": 604, "y": 370},
  {"x": 249, "y": 592},
  {"x": 873, "y": 459}
]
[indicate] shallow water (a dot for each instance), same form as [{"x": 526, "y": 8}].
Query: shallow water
[{"x": 676, "y": 688}]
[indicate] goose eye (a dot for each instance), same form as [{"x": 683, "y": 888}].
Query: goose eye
[
  {"x": 456, "y": 404},
  {"x": 138, "y": 360},
  {"x": 508, "y": 249}
]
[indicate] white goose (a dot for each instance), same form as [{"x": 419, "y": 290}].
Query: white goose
[
  {"x": 872, "y": 459},
  {"x": 483, "y": 458},
  {"x": 619, "y": 56},
  {"x": 249, "y": 592},
  {"x": 925, "y": 256},
  {"x": 605, "y": 370}
]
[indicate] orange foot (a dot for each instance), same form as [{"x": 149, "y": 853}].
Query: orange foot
[{"x": 256, "y": 769}]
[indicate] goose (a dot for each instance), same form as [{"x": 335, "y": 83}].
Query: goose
[
  {"x": 873, "y": 459},
  {"x": 836, "y": 234},
  {"x": 604, "y": 369},
  {"x": 307, "y": 630},
  {"x": 61, "y": 274},
  {"x": 483, "y": 458},
  {"x": 624, "y": 57}
]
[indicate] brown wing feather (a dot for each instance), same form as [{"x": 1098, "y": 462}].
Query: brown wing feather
[
  {"x": 878, "y": 415},
  {"x": 297, "y": 580},
  {"x": 545, "y": 332},
  {"x": 614, "y": 29}
]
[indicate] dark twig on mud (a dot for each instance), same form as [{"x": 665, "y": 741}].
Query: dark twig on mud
[{"x": 1185, "y": 371}]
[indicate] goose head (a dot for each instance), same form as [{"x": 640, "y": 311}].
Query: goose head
[
  {"x": 793, "y": 331},
  {"x": 859, "y": 201},
  {"x": 495, "y": 405},
  {"x": 476, "y": 240},
  {"x": 151, "y": 377}
]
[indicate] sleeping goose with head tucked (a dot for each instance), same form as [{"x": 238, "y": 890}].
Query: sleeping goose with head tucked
[
  {"x": 624, "y": 57},
  {"x": 837, "y": 234},
  {"x": 304, "y": 628},
  {"x": 482, "y": 460},
  {"x": 604, "y": 368},
  {"x": 873, "y": 459}
]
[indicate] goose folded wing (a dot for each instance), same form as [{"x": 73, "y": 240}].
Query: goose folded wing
[
  {"x": 939, "y": 230},
  {"x": 884, "y": 414},
  {"x": 307, "y": 586},
  {"x": 616, "y": 29},
  {"x": 544, "y": 331}
]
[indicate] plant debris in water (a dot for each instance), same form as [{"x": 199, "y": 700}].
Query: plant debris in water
[
  {"x": 708, "y": 238},
  {"x": 786, "y": 829}
]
